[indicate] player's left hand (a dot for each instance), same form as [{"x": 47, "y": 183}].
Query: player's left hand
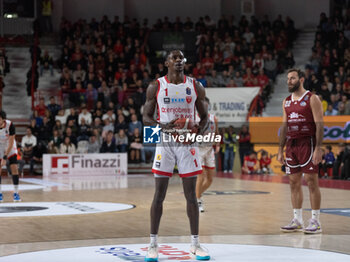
[{"x": 317, "y": 156}]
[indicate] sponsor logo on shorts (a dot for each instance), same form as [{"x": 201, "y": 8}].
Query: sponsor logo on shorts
[
  {"x": 159, "y": 157},
  {"x": 157, "y": 164}
]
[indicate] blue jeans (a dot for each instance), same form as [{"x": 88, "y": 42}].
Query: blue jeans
[
  {"x": 144, "y": 151},
  {"x": 229, "y": 158}
]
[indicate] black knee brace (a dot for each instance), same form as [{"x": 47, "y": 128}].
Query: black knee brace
[{"x": 15, "y": 179}]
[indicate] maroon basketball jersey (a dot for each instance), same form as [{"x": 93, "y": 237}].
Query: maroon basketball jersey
[{"x": 300, "y": 121}]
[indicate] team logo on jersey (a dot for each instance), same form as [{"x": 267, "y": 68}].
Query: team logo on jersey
[
  {"x": 166, "y": 100},
  {"x": 287, "y": 104},
  {"x": 303, "y": 103},
  {"x": 306, "y": 98},
  {"x": 188, "y": 91},
  {"x": 193, "y": 151},
  {"x": 188, "y": 99},
  {"x": 159, "y": 157}
]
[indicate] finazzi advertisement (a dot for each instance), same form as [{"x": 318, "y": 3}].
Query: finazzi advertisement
[{"x": 85, "y": 164}]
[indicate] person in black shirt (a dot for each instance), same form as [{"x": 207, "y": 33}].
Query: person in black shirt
[{"x": 109, "y": 146}]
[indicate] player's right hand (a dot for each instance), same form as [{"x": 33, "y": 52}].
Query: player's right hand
[
  {"x": 3, "y": 162},
  {"x": 169, "y": 125},
  {"x": 280, "y": 157}
]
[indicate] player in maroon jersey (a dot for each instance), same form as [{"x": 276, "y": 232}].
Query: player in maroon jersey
[{"x": 302, "y": 134}]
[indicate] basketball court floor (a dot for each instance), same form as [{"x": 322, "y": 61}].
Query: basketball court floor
[{"x": 107, "y": 219}]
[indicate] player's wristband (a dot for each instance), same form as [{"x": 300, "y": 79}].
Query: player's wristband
[{"x": 4, "y": 157}]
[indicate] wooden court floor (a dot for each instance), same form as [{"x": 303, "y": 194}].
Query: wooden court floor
[{"x": 236, "y": 212}]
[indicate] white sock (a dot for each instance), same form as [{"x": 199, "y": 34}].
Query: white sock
[
  {"x": 154, "y": 240},
  {"x": 16, "y": 188},
  {"x": 194, "y": 240},
  {"x": 316, "y": 215},
  {"x": 298, "y": 214}
]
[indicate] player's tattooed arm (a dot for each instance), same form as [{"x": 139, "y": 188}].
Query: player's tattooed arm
[
  {"x": 282, "y": 138},
  {"x": 150, "y": 106},
  {"x": 200, "y": 106}
]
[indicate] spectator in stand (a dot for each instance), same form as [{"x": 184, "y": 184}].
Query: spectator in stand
[
  {"x": 331, "y": 111},
  {"x": 327, "y": 161},
  {"x": 41, "y": 107},
  {"x": 46, "y": 62},
  {"x": 84, "y": 131},
  {"x": 214, "y": 80},
  {"x": 86, "y": 115},
  {"x": 264, "y": 163},
  {"x": 135, "y": 146},
  {"x": 72, "y": 137},
  {"x": 108, "y": 126},
  {"x": 244, "y": 143},
  {"x": 61, "y": 117},
  {"x": 108, "y": 145},
  {"x": 109, "y": 115},
  {"x": 28, "y": 143},
  {"x": 53, "y": 107},
  {"x": 230, "y": 140},
  {"x": 79, "y": 73},
  {"x": 121, "y": 141},
  {"x": 121, "y": 124},
  {"x": 250, "y": 164},
  {"x": 56, "y": 139},
  {"x": 340, "y": 162},
  {"x": 134, "y": 124},
  {"x": 45, "y": 130},
  {"x": 94, "y": 145},
  {"x": 270, "y": 67},
  {"x": 67, "y": 147},
  {"x": 37, "y": 157}
]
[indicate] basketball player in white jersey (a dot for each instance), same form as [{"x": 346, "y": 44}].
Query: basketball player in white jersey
[
  {"x": 175, "y": 96},
  {"x": 8, "y": 151},
  {"x": 206, "y": 152}
]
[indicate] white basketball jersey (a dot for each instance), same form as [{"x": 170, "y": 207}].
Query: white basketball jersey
[
  {"x": 211, "y": 128},
  {"x": 4, "y": 137},
  {"x": 176, "y": 101}
]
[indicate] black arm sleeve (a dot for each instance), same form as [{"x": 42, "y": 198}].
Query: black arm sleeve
[{"x": 12, "y": 130}]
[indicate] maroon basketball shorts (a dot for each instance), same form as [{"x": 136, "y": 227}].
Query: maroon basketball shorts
[{"x": 299, "y": 152}]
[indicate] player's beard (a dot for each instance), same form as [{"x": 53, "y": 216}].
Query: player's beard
[{"x": 294, "y": 88}]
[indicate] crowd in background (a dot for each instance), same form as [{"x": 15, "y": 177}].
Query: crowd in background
[
  {"x": 328, "y": 69},
  {"x": 106, "y": 67}
]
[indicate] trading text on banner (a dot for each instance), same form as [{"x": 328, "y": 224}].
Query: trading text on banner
[{"x": 231, "y": 105}]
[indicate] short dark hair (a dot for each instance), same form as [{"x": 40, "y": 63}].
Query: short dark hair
[
  {"x": 300, "y": 73},
  {"x": 329, "y": 147},
  {"x": 2, "y": 114}
]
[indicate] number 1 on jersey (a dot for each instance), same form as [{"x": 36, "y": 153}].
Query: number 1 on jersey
[
  {"x": 195, "y": 162},
  {"x": 166, "y": 91}
]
